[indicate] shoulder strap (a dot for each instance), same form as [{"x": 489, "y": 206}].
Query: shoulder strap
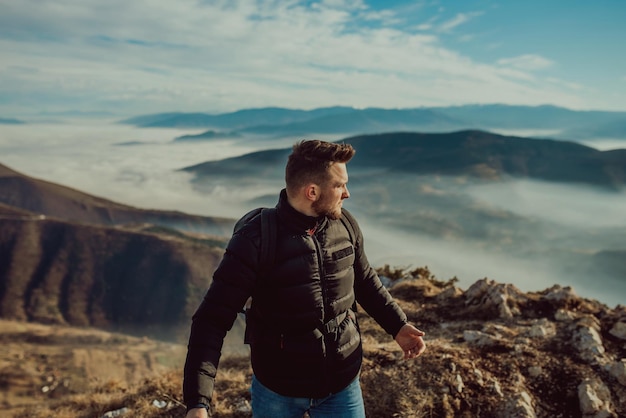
[
  {"x": 267, "y": 245},
  {"x": 348, "y": 221},
  {"x": 269, "y": 227}
]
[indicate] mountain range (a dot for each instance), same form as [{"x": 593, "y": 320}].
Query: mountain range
[
  {"x": 561, "y": 122},
  {"x": 477, "y": 154}
]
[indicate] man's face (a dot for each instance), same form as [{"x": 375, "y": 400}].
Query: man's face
[{"x": 332, "y": 193}]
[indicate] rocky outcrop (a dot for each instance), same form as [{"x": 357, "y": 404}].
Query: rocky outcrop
[{"x": 495, "y": 351}]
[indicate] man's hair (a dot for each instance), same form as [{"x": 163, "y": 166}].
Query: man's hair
[{"x": 309, "y": 162}]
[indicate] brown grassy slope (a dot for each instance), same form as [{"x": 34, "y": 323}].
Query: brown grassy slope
[
  {"x": 530, "y": 362},
  {"x": 50, "y": 199},
  {"x": 42, "y": 363},
  {"x": 59, "y": 272}
]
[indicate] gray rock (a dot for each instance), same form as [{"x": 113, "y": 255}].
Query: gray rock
[
  {"x": 563, "y": 315},
  {"x": 489, "y": 294},
  {"x": 594, "y": 398},
  {"x": 588, "y": 343},
  {"x": 519, "y": 405},
  {"x": 480, "y": 339},
  {"x": 618, "y": 371},
  {"x": 619, "y": 330}
]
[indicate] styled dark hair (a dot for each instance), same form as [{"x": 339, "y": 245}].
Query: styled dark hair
[{"x": 309, "y": 162}]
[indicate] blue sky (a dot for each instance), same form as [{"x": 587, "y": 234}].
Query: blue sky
[{"x": 143, "y": 56}]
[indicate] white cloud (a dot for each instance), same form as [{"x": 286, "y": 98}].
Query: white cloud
[
  {"x": 529, "y": 62},
  {"x": 457, "y": 20},
  {"x": 143, "y": 56}
]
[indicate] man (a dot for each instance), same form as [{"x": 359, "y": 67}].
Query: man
[{"x": 305, "y": 344}]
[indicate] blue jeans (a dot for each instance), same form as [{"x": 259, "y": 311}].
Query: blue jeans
[{"x": 345, "y": 404}]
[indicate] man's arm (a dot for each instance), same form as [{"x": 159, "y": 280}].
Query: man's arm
[
  {"x": 232, "y": 284},
  {"x": 377, "y": 302}
]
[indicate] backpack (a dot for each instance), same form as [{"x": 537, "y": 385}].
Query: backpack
[{"x": 269, "y": 232}]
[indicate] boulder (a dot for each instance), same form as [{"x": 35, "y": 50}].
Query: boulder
[
  {"x": 619, "y": 330},
  {"x": 594, "y": 398},
  {"x": 481, "y": 339},
  {"x": 519, "y": 405},
  {"x": 502, "y": 299},
  {"x": 588, "y": 341},
  {"x": 618, "y": 371}
]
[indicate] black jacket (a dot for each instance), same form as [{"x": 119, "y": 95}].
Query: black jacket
[{"x": 297, "y": 349}]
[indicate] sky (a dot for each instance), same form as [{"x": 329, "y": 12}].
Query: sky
[{"x": 122, "y": 58}]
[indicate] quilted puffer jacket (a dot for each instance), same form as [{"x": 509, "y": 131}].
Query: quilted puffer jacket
[{"x": 304, "y": 339}]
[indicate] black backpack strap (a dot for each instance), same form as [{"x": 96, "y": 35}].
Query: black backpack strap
[
  {"x": 267, "y": 254},
  {"x": 348, "y": 221},
  {"x": 269, "y": 231}
]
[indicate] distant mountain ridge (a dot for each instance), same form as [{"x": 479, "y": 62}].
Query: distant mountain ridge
[
  {"x": 341, "y": 120},
  {"x": 211, "y": 134},
  {"x": 11, "y": 121},
  {"x": 233, "y": 120},
  {"x": 466, "y": 153}
]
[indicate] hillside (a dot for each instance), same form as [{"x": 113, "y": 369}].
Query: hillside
[
  {"x": 492, "y": 351},
  {"x": 42, "y": 363},
  {"x": 53, "y": 200},
  {"x": 145, "y": 279},
  {"x": 486, "y": 155},
  {"x": 475, "y": 154},
  {"x": 67, "y": 257}
]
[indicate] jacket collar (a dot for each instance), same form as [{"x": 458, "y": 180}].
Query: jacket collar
[{"x": 297, "y": 220}]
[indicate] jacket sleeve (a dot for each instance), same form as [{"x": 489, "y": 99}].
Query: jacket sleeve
[
  {"x": 371, "y": 294},
  {"x": 232, "y": 284}
]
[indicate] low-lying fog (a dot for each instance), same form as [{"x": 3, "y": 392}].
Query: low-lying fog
[{"x": 137, "y": 167}]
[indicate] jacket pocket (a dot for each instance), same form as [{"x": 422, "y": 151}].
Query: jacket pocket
[{"x": 349, "y": 336}]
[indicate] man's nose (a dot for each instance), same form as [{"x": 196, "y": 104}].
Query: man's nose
[{"x": 346, "y": 193}]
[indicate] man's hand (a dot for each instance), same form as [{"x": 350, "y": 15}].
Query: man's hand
[
  {"x": 410, "y": 340},
  {"x": 197, "y": 413}
]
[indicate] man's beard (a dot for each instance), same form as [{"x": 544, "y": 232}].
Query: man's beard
[{"x": 323, "y": 207}]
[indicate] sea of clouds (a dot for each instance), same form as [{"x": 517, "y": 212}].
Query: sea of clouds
[{"x": 139, "y": 167}]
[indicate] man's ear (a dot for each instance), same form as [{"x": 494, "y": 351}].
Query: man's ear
[{"x": 311, "y": 192}]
